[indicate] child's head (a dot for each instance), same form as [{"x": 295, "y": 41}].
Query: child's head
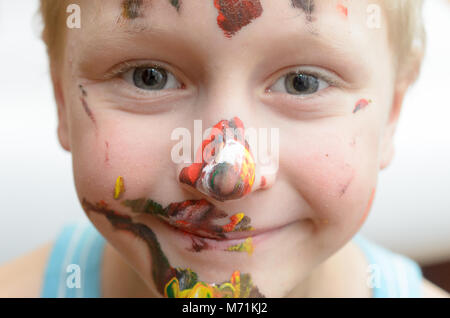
[{"x": 331, "y": 75}]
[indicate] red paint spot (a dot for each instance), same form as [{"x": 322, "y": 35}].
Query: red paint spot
[
  {"x": 343, "y": 9},
  {"x": 181, "y": 222},
  {"x": 107, "y": 152},
  {"x": 235, "y": 14},
  {"x": 190, "y": 175},
  {"x": 361, "y": 104}
]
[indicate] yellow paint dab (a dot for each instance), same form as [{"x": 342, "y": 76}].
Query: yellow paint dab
[
  {"x": 246, "y": 246},
  {"x": 119, "y": 188}
]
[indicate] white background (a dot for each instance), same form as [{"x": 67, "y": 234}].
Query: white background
[{"x": 411, "y": 212}]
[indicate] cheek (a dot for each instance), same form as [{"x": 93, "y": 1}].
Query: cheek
[
  {"x": 334, "y": 176},
  {"x": 123, "y": 147}
]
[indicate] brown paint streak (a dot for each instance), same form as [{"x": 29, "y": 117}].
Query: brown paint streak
[
  {"x": 306, "y": 5},
  {"x": 85, "y": 105},
  {"x": 345, "y": 187},
  {"x": 131, "y": 9},
  {"x": 198, "y": 245}
]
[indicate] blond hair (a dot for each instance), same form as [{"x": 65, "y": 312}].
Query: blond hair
[
  {"x": 404, "y": 18},
  {"x": 406, "y": 32}
]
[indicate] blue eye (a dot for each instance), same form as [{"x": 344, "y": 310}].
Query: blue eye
[
  {"x": 299, "y": 84},
  {"x": 151, "y": 78}
]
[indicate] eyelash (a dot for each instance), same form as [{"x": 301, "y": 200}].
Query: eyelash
[
  {"x": 126, "y": 66},
  {"x": 330, "y": 80}
]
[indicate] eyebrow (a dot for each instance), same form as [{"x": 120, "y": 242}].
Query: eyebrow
[
  {"x": 306, "y": 5},
  {"x": 131, "y": 9}
]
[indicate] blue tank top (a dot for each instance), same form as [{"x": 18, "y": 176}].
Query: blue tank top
[{"x": 74, "y": 266}]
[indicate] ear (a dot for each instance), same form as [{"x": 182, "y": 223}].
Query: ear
[
  {"x": 63, "y": 127},
  {"x": 405, "y": 78}
]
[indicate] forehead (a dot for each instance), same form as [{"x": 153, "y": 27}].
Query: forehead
[
  {"x": 230, "y": 16},
  {"x": 309, "y": 28}
]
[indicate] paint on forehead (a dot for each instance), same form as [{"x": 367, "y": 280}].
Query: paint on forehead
[
  {"x": 235, "y": 14},
  {"x": 306, "y": 5},
  {"x": 170, "y": 281},
  {"x": 131, "y": 9}
]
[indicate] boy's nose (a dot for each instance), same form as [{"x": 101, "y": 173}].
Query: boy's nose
[{"x": 224, "y": 167}]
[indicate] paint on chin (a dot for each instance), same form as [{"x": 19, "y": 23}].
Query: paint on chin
[
  {"x": 236, "y": 14},
  {"x": 175, "y": 282}
]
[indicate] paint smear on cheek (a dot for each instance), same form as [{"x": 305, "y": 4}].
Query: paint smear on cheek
[
  {"x": 85, "y": 105},
  {"x": 107, "y": 152},
  {"x": 119, "y": 188},
  {"x": 235, "y": 14},
  {"x": 361, "y": 104},
  {"x": 342, "y": 9}
]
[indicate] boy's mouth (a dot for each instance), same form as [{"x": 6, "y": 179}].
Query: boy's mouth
[
  {"x": 243, "y": 241},
  {"x": 203, "y": 224}
]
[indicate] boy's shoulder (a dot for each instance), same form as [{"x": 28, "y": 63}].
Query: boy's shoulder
[
  {"x": 23, "y": 276},
  {"x": 431, "y": 290},
  {"x": 373, "y": 253}
]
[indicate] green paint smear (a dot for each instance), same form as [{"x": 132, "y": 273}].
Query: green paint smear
[
  {"x": 162, "y": 271},
  {"x": 176, "y": 4}
]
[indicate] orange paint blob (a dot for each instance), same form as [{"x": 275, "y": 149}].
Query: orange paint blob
[{"x": 343, "y": 9}]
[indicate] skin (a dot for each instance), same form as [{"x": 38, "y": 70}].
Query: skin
[
  {"x": 329, "y": 156},
  {"x": 324, "y": 197}
]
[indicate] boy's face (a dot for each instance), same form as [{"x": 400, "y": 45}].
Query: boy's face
[{"x": 137, "y": 70}]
